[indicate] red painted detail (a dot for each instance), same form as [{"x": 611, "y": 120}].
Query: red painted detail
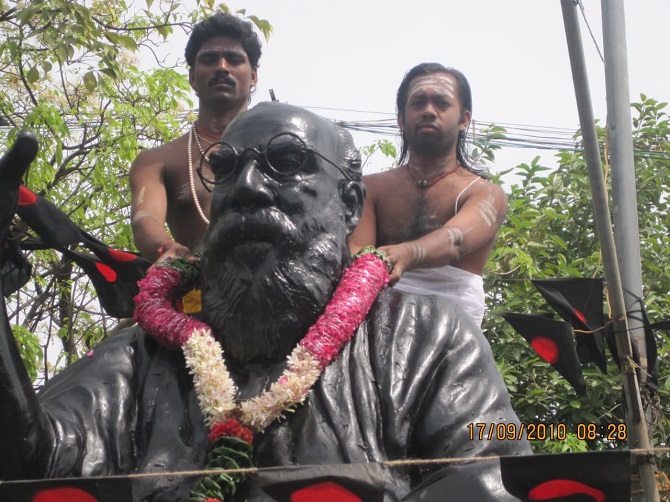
[
  {"x": 580, "y": 316},
  {"x": 107, "y": 272},
  {"x": 26, "y": 196},
  {"x": 564, "y": 488},
  {"x": 64, "y": 494},
  {"x": 546, "y": 348},
  {"x": 324, "y": 492},
  {"x": 121, "y": 255}
]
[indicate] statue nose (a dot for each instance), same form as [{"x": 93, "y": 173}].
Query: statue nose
[
  {"x": 251, "y": 186},
  {"x": 250, "y": 171}
]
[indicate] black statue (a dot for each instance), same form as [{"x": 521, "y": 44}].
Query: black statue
[{"x": 287, "y": 192}]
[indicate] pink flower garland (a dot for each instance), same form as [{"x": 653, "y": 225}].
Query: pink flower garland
[
  {"x": 155, "y": 312},
  {"x": 359, "y": 287},
  {"x": 348, "y": 308}
]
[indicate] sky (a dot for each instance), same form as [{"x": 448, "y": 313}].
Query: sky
[{"x": 345, "y": 59}]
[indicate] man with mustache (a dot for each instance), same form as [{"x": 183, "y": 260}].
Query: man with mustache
[
  {"x": 287, "y": 194},
  {"x": 222, "y": 54},
  {"x": 436, "y": 216}
]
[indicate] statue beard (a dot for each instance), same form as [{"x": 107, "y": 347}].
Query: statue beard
[{"x": 260, "y": 302}]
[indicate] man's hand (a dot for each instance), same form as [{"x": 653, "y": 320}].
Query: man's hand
[
  {"x": 402, "y": 257},
  {"x": 169, "y": 250}
]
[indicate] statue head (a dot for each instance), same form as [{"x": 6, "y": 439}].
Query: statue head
[{"x": 287, "y": 193}]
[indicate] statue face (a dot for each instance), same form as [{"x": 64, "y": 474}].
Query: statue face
[
  {"x": 278, "y": 188},
  {"x": 277, "y": 237}
]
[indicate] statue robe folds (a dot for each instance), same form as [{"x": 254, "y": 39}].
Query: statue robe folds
[{"x": 415, "y": 375}]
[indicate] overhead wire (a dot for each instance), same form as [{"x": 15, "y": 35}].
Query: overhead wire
[
  {"x": 501, "y": 134},
  {"x": 588, "y": 26}
]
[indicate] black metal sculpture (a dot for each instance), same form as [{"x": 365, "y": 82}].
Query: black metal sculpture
[{"x": 286, "y": 195}]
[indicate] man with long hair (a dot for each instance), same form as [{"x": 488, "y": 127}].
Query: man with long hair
[{"x": 436, "y": 215}]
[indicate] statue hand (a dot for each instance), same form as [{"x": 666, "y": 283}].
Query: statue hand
[{"x": 13, "y": 165}]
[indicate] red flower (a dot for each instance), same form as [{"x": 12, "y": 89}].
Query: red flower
[{"x": 230, "y": 428}]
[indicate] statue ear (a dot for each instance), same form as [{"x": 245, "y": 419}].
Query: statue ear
[{"x": 353, "y": 196}]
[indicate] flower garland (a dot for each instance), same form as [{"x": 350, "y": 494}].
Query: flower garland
[{"x": 232, "y": 424}]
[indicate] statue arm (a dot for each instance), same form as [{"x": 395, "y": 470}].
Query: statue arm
[
  {"x": 465, "y": 389},
  {"x": 365, "y": 233},
  {"x": 437, "y": 375},
  {"x": 63, "y": 431},
  {"x": 26, "y": 434}
]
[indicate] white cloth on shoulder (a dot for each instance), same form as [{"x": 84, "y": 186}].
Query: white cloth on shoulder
[{"x": 458, "y": 285}]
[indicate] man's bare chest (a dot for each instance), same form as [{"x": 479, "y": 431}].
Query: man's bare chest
[
  {"x": 181, "y": 183},
  {"x": 412, "y": 214}
]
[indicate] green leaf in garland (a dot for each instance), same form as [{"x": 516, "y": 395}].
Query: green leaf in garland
[{"x": 226, "y": 453}]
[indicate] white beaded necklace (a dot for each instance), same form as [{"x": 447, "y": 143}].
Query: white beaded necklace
[
  {"x": 197, "y": 141},
  {"x": 191, "y": 135}
]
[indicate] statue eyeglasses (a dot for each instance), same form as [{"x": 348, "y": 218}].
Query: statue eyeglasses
[{"x": 284, "y": 155}]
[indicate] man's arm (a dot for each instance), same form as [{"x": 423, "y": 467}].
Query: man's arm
[
  {"x": 472, "y": 228},
  {"x": 149, "y": 208}
]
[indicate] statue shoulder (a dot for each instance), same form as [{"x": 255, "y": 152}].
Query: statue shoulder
[{"x": 426, "y": 324}]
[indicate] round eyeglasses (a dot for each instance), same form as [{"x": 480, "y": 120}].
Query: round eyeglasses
[{"x": 284, "y": 155}]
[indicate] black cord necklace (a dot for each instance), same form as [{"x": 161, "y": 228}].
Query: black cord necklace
[{"x": 424, "y": 183}]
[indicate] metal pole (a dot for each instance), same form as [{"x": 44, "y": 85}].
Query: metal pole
[
  {"x": 624, "y": 192},
  {"x": 637, "y": 437}
]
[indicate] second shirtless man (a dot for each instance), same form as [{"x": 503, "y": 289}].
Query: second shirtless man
[{"x": 435, "y": 215}]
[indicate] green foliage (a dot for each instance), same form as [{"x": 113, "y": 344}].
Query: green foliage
[
  {"x": 29, "y": 345},
  {"x": 571, "y": 444},
  {"x": 226, "y": 453},
  {"x": 69, "y": 71},
  {"x": 484, "y": 145},
  {"x": 550, "y": 233},
  {"x": 383, "y": 146}
]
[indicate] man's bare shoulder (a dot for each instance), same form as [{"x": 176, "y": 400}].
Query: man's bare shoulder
[
  {"x": 473, "y": 189},
  {"x": 161, "y": 157},
  {"x": 483, "y": 185},
  {"x": 383, "y": 179}
]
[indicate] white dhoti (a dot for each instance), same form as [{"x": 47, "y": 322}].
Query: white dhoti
[{"x": 460, "y": 286}]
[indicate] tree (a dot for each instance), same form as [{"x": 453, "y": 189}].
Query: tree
[
  {"x": 550, "y": 233},
  {"x": 68, "y": 71}
]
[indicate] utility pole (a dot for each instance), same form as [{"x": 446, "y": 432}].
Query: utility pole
[
  {"x": 624, "y": 189},
  {"x": 635, "y": 417}
]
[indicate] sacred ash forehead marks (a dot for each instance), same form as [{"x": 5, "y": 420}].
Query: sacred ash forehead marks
[{"x": 438, "y": 83}]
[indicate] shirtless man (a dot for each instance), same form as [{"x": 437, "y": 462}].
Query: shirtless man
[
  {"x": 435, "y": 216},
  {"x": 222, "y": 54}
]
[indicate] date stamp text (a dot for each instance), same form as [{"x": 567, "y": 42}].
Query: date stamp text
[{"x": 540, "y": 431}]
